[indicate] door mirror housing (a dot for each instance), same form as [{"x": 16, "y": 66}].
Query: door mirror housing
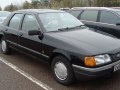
[{"x": 34, "y": 32}]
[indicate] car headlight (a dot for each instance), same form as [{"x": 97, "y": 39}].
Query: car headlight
[
  {"x": 97, "y": 60},
  {"x": 101, "y": 59}
]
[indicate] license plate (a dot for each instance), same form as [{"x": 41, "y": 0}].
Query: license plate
[{"x": 116, "y": 67}]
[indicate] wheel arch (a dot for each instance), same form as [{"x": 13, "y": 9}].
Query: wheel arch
[
  {"x": 57, "y": 53},
  {"x": 1, "y": 35}
]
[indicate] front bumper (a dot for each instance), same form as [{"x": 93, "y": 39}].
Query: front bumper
[{"x": 90, "y": 73}]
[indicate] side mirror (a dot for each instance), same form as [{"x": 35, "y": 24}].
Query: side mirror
[
  {"x": 34, "y": 32},
  {"x": 118, "y": 24}
]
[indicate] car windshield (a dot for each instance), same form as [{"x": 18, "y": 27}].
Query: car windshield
[
  {"x": 4, "y": 14},
  {"x": 57, "y": 21},
  {"x": 118, "y": 12}
]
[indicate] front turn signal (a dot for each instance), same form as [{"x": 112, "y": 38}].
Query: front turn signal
[{"x": 90, "y": 61}]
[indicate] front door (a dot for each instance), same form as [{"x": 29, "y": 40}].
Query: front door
[{"x": 31, "y": 44}]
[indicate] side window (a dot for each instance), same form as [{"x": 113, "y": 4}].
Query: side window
[
  {"x": 108, "y": 17},
  {"x": 29, "y": 23},
  {"x": 76, "y": 13},
  {"x": 15, "y": 21},
  {"x": 89, "y": 15}
]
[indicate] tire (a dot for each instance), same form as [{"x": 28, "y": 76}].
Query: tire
[
  {"x": 62, "y": 70},
  {"x": 4, "y": 46}
]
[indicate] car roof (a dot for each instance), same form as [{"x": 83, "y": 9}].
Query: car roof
[
  {"x": 38, "y": 11},
  {"x": 4, "y": 11},
  {"x": 95, "y": 8}
]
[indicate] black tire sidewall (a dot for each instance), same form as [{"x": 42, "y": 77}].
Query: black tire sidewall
[{"x": 70, "y": 78}]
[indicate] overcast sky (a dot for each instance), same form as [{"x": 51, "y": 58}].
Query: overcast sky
[{"x": 3, "y": 3}]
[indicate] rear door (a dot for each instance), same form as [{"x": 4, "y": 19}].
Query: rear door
[
  {"x": 108, "y": 22},
  {"x": 12, "y": 30}
]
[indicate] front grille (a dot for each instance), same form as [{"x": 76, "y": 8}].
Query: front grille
[{"x": 115, "y": 57}]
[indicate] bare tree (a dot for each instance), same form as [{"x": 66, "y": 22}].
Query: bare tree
[
  {"x": 90, "y": 2},
  {"x": 11, "y": 8},
  {"x": 26, "y": 5},
  {"x": 0, "y": 8}
]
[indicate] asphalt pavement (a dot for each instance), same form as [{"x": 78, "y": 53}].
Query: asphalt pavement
[{"x": 21, "y": 72}]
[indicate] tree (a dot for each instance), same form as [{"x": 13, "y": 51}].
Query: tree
[
  {"x": 58, "y": 1},
  {"x": 79, "y": 3},
  {"x": 114, "y": 3},
  {"x": 67, "y": 3},
  {"x": 0, "y": 9},
  {"x": 90, "y": 2},
  {"x": 107, "y": 3},
  {"x": 47, "y": 3},
  {"x": 11, "y": 8},
  {"x": 36, "y": 4},
  {"x": 26, "y": 5}
]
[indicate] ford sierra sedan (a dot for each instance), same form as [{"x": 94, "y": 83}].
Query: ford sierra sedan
[{"x": 71, "y": 49}]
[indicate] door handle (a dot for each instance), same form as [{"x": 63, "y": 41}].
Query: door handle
[{"x": 20, "y": 34}]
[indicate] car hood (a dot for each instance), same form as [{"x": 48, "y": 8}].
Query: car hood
[{"x": 87, "y": 41}]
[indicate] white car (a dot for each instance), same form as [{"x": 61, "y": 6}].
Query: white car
[{"x": 3, "y": 15}]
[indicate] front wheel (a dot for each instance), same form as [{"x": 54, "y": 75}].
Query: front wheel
[
  {"x": 4, "y": 46},
  {"x": 62, "y": 70}
]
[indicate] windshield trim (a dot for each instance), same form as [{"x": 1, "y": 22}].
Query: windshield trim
[{"x": 78, "y": 23}]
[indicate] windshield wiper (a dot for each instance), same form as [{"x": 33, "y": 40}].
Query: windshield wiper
[
  {"x": 62, "y": 29},
  {"x": 68, "y": 28},
  {"x": 81, "y": 26}
]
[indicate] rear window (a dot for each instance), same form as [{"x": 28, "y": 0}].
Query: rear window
[
  {"x": 108, "y": 17},
  {"x": 15, "y": 21},
  {"x": 89, "y": 15},
  {"x": 76, "y": 13}
]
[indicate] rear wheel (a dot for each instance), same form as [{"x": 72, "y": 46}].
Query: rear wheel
[
  {"x": 4, "y": 46},
  {"x": 62, "y": 70}
]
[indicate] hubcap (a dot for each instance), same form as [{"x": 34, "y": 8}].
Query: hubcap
[
  {"x": 3, "y": 45},
  {"x": 60, "y": 71}
]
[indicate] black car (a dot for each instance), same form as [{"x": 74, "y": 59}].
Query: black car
[
  {"x": 61, "y": 40},
  {"x": 100, "y": 18}
]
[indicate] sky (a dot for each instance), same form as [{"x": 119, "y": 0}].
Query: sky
[{"x": 4, "y": 3}]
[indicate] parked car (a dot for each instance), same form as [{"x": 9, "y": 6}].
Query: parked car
[
  {"x": 116, "y": 7},
  {"x": 61, "y": 40},
  {"x": 3, "y": 15},
  {"x": 100, "y": 18}
]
